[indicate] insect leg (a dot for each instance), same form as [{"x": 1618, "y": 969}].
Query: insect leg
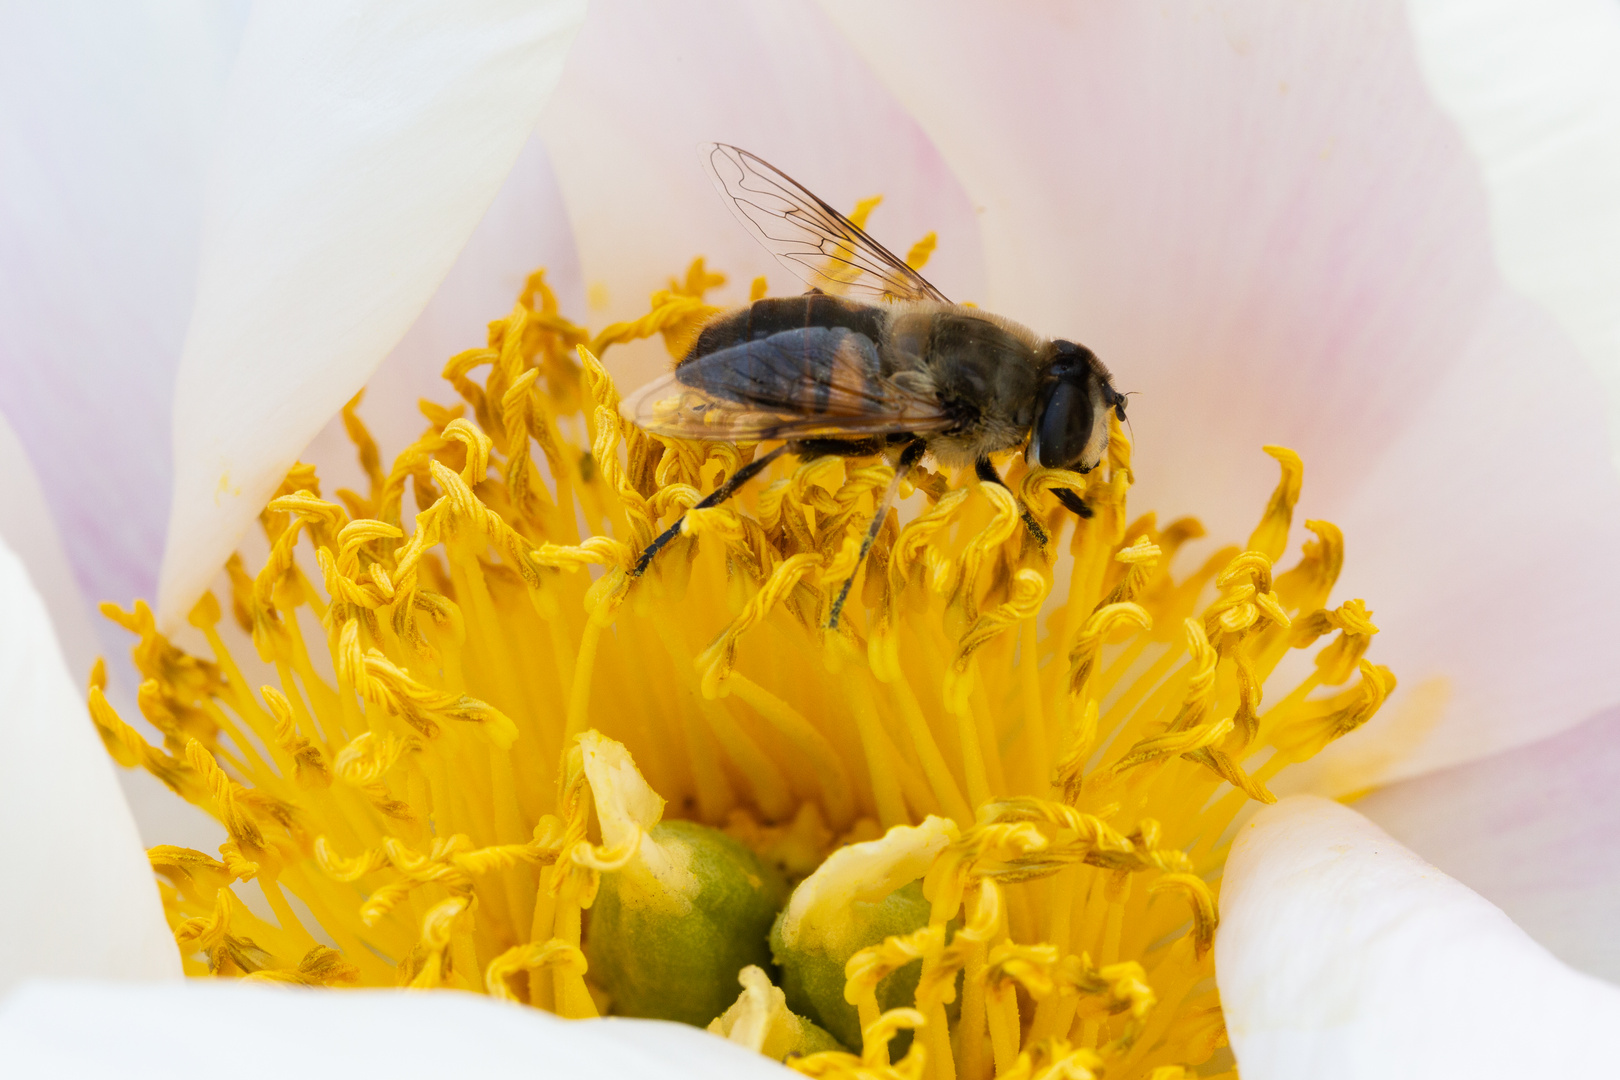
[
  {"x": 714, "y": 498},
  {"x": 1072, "y": 501},
  {"x": 987, "y": 475},
  {"x": 908, "y": 457}
]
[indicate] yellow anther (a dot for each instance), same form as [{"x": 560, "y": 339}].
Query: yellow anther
[
  {"x": 921, "y": 251},
  {"x": 675, "y": 316},
  {"x": 319, "y": 967},
  {"x": 534, "y": 956},
  {"x": 1028, "y": 591},
  {"x": 1306, "y": 586},
  {"x": 1030, "y": 966},
  {"x": 308, "y": 763},
  {"x": 876, "y": 1035},
  {"x": 714, "y": 663},
  {"x": 1270, "y": 537},
  {"x": 226, "y": 794},
  {"x": 1056, "y": 1059},
  {"x": 1313, "y": 725},
  {"x": 1339, "y": 660},
  {"x": 432, "y": 958},
  {"x": 979, "y": 551},
  {"x": 354, "y": 536},
  {"x": 596, "y": 551},
  {"x": 1098, "y": 628},
  {"x": 843, "y": 564},
  {"x": 1202, "y": 900},
  {"x": 423, "y": 707},
  {"x": 196, "y": 875},
  {"x": 719, "y": 522}
]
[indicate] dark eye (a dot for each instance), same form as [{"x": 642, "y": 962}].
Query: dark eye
[{"x": 1064, "y": 426}]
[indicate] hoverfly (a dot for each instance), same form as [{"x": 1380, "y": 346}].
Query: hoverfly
[{"x": 872, "y": 360}]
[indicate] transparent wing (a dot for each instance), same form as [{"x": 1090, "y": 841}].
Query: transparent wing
[
  {"x": 790, "y": 386},
  {"x": 820, "y": 245}
]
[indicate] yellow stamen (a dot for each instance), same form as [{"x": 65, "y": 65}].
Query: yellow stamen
[{"x": 445, "y": 695}]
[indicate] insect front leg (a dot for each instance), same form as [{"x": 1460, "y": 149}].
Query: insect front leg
[
  {"x": 987, "y": 475},
  {"x": 908, "y": 457},
  {"x": 714, "y": 498},
  {"x": 1072, "y": 501}
]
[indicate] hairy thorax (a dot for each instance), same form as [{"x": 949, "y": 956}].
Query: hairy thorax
[{"x": 986, "y": 369}]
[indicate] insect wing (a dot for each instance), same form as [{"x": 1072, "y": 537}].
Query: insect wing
[
  {"x": 820, "y": 245},
  {"x": 795, "y": 385}
]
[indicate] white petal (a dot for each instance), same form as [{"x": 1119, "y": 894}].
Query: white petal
[
  {"x": 649, "y": 81},
  {"x": 29, "y": 530},
  {"x": 1262, "y": 222},
  {"x": 197, "y": 1028},
  {"x": 363, "y": 143},
  {"x": 106, "y": 115},
  {"x": 1533, "y": 831},
  {"x": 1342, "y": 955},
  {"x": 77, "y": 898},
  {"x": 1535, "y": 87},
  {"x": 525, "y": 229}
]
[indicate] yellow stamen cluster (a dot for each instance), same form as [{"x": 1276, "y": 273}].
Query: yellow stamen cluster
[{"x": 404, "y": 791}]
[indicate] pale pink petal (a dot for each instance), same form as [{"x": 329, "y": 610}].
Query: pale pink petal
[
  {"x": 1533, "y": 830},
  {"x": 647, "y": 82},
  {"x": 106, "y": 114},
  {"x": 77, "y": 898},
  {"x": 1342, "y": 956},
  {"x": 363, "y": 143},
  {"x": 1484, "y": 537},
  {"x": 154, "y": 1033},
  {"x": 1534, "y": 86},
  {"x": 1261, "y": 221}
]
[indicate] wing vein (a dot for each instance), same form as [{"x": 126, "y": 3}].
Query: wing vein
[{"x": 802, "y": 231}]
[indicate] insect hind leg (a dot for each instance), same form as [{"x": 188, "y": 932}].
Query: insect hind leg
[
  {"x": 908, "y": 457},
  {"x": 987, "y": 474},
  {"x": 713, "y": 498}
]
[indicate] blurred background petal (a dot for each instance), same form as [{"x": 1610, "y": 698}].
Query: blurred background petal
[
  {"x": 363, "y": 143},
  {"x": 1343, "y": 955},
  {"x": 1534, "y": 86},
  {"x": 1261, "y": 220},
  {"x": 106, "y": 115},
  {"x": 77, "y": 898}
]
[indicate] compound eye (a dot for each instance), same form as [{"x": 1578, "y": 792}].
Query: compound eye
[{"x": 1064, "y": 426}]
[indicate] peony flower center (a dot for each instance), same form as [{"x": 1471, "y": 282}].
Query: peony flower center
[{"x": 991, "y": 809}]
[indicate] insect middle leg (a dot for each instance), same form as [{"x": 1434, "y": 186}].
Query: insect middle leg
[
  {"x": 908, "y": 457},
  {"x": 713, "y": 498},
  {"x": 987, "y": 475}
]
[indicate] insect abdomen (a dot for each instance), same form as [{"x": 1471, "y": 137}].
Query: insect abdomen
[
  {"x": 763, "y": 318},
  {"x": 799, "y": 371}
]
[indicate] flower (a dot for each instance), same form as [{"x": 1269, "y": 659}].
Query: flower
[
  {"x": 1257, "y": 295},
  {"x": 436, "y": 716}
]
